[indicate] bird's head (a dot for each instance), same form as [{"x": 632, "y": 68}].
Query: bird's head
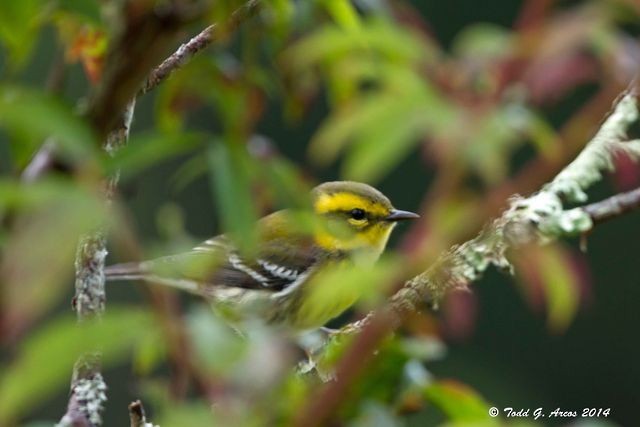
[{"x": 357, "y": 216}]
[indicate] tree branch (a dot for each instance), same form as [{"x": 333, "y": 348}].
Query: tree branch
[
  {"x": 88, "y": 389},
  {"x": 45, "y": 156},
  {"x": 144, "y": 36},
  {"x": 142, "y": 43},
  {"x": 613, "y": 206},
  {"x": 189, "y": 49},
  {"x": 539, "y": 219}
]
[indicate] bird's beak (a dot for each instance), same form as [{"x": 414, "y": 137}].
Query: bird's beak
[{"x": 398, "y": 215}]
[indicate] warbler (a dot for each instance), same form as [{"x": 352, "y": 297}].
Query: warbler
[{"x": 275, "y": 282}]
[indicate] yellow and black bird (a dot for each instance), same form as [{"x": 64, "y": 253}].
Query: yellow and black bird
[{"x": 276, "y": 281}]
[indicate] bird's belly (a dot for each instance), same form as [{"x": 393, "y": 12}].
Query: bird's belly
[
  {"x": 328, "y": 294},
  {"x": 312, "y": 314}
]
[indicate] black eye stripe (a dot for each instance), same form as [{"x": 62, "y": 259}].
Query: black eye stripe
[{"x": 357, "y": 214}]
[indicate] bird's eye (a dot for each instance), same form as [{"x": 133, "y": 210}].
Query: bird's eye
[{"x": 358, "y": 214}]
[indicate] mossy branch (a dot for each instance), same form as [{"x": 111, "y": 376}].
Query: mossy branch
[{"x": 537, "y": 219}]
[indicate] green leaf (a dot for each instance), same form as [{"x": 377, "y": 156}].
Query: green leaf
[
  {"x": 145, "y": 150},
  {"x": 376, "y": 37},
  {"x": 374, "y": 414},
  {"x": 186, "y": 414},
  {"x": 483, "y": 41},
  {"x": 88, "y": 9},
  {"x": 38, "y": 253},
  {"x": 45, "y": 360},
  {"x": 19, "y": 27},
  {"x": 343, "y": 12},
  {"x": 383, "y": 126},
  {"x": 229, "y": 168},
  {"x": 460, "y": 403},
  {"x": 149, "y": 352},
  {"x": 286, "y": 183},
  {"x": 338, "y": 288},
  {"x": 495, "y": 136},
  {"x": 217, "y": 347},
  {"x": 550, "y": 268},
  {"x": 40, "y": 116}
]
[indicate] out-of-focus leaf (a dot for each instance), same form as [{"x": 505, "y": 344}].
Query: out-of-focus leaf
[
  {"x": 84, "y": 40},
  {"x": 342, "y": 287},
  {"x": 149, "y": 352},
  {"x": 343, "y": 12},
  {"x": 217, "y": 347},
  {"x": 286, "y": 183},
  {"x": 188, "y": 172},
  {"x": 383, "y": 125},
  {"x": 45, "y": 361},
  {"x": 19, "y": 26},
  {"x": 423, "y": 348},
  {"x": 331, "y": 43},
  {"x": 497, "y": 134},
  {"x": 40, "y": 423},
  {"x": 376, "y": 415},
  {"x": 460, "y": 403},
  {"x": 185, "y": 90},
  {"x": 229, "y": 167},
  {"x": 40, "y": 116},
  {"x": 216, "y": 80},
  {"x": 544, "y": 137},
  {"x": 254, "y": 361},
  {"x": 281, "y": 18},
  {"x": 15, "y": 195},
  {"x": 550, "y": 270},
  {"x": 145, "y": 150},
  {"x": 382, "y": 143},
  {"x": 483, "y": 41},
  {"x": 39, "y": 252},
  {"x": 416, "y": 374},
  {"x": 89, "y": 10},
  {"x": 186, "y": 414}
]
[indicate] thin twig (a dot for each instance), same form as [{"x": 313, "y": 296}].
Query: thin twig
[
  {"x": 44, "y": 157},
  {"x": 189, "y": 49},
  {"x": 613, "y": 206},
  {"x": 135, "y": 51},
  {"x": 41, "y": 161}
]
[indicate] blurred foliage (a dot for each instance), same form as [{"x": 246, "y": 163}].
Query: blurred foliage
[{"x": 380, "y": 90}]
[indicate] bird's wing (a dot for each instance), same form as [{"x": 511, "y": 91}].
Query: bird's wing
[{"x": 279, "y": 264}]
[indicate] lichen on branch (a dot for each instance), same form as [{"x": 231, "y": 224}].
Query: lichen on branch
[{"x": 537, "y": 219}]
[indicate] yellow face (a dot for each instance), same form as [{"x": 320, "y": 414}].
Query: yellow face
[{"x": 354, "y": 223}]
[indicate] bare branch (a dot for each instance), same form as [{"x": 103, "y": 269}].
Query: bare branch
[
  {"x": 41, "y": 162},
  {"x": 141, "y": 44},
  {"x": 189, "y": 49},
  {"x": 45, "y": 156},
  {"x": 613, "y": 206}
]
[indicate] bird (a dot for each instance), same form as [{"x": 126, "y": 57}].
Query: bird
[{"x": 276, "y": 281}]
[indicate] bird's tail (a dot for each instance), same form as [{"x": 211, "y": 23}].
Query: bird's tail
[
  {"x": 144, "y": 271},
  {"x": 126, "y": 271}
]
